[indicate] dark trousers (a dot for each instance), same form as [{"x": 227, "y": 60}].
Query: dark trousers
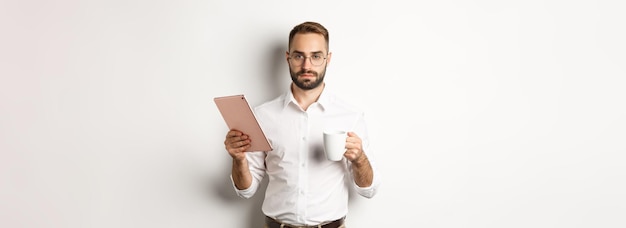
[{"x": 272, "y": 223}]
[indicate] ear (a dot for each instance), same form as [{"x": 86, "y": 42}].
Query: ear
[
  {"x": 330, "y": 54},
  {"x": 287, "y": 56}
]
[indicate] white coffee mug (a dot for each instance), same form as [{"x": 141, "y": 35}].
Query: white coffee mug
[{"x": 335, "y": 144}]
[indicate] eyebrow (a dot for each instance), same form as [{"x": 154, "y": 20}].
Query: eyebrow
[{"x": 315, "y": 52}]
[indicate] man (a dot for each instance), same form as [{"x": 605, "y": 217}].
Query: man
[{"x": 304, "y": 189}]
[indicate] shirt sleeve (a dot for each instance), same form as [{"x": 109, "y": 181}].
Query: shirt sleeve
[
  {"x": 370, "y": 191},
  {"x": 256, "y": 164},
  {"x": 361, "y": 130}
]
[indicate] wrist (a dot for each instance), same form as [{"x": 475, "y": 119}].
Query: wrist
[
  {"x": 361, "y": 160},
  {"x": 240, "y": 160}
]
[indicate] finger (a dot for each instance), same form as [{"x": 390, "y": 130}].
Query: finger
[
  {"x": 234, "y": 133},
  {"x": 238, "y": 138},
  {"x": 244, "y": 148},
  {"x": 353, "y": 144},
  {"x": 243, "y": 143},
  {"x": 351, "y": 154},
  {"x": 238, "y": 149},
  {"x": 233, "y": 139},
  {"x": 353, "y": 140},
  {"x": 236, "y": 141},
  {"x": 353, "y": 137},
  {"x": 354, "y": 151},
  {"x": 349, "y": 145}
]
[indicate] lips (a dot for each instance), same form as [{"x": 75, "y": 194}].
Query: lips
[{"x": 307, "y": 74}]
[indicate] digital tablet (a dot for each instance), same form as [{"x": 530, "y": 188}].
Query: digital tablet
[{"x": 239, "y": 116}]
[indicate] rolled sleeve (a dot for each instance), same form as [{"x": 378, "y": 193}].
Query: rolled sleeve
[
  {"x": 245, "y": 193},
  {"x": 256, "y": 165},
  {"x": 370, "y": 191}
]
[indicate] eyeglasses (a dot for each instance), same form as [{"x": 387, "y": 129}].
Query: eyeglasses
[{"x": 298, "y": 59}]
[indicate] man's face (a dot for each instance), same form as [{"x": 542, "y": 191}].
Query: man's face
[{"x": 304, "y": 73}]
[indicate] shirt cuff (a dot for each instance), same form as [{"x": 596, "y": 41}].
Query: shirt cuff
[
  {"x": 370, "y": 191},
  {"x": 243, "y": 193}
]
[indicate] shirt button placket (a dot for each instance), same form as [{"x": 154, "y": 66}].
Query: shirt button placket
[{"x": 303, "y": 154}]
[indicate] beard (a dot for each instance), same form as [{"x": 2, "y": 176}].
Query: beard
[{"x": 306, "y": 83}]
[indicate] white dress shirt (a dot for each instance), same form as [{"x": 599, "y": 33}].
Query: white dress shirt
[{"x": 304, "y": 187}]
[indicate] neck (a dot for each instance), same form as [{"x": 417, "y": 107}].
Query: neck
[{"x": 306, "y": 97}]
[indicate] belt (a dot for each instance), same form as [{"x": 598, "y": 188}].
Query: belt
[{"x": 272, "y": 223}]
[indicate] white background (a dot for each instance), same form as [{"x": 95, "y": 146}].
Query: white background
[{"x": 482, "y": 113}]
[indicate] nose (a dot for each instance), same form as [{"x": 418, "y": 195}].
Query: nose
[{"x": 306, "y": 64}]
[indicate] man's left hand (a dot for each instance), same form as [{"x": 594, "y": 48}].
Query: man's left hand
[{"x": 354, "y": 147}]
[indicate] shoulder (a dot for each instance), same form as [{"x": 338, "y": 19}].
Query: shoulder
[
  {"x": 337, "y": 102},
  {"x": 271, "y": 105}
]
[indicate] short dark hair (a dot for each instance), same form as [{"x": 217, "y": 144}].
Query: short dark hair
[{"x": 309, "y": 27}]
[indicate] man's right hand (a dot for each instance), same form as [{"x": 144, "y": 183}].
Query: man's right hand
[{"x": 236, "y": 144}]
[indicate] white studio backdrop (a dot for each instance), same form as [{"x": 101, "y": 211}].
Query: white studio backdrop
[{"x": 482, "y": 113}]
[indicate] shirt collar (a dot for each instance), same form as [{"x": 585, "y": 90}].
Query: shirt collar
[{"x": 323, "y": 101}]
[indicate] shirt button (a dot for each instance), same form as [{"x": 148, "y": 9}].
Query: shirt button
[{"x": 304, "y": 138}]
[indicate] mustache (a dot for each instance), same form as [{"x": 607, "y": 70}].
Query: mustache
[{"x": 306, "y": 72}]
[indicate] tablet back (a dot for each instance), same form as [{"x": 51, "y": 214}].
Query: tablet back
[{"x": 239, "y": 116}]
